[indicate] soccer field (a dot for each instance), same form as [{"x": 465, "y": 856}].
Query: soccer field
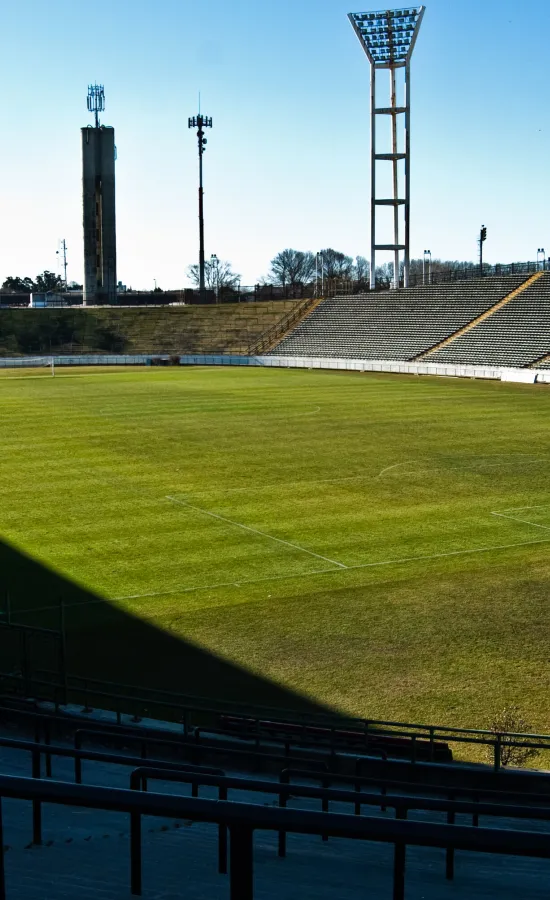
[{"x": 378, "y": 543}]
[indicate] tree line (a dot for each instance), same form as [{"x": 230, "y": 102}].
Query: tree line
[
  {"x": 292, "y": 270},
  {"x": 42, "y": 284},
  {"x": 295, "y": 270}
]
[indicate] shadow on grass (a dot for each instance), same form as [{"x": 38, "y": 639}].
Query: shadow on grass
[{"x": 110, "y": 644}]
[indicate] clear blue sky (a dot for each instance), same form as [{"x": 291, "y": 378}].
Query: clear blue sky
[{"x": 286, "y": 83}]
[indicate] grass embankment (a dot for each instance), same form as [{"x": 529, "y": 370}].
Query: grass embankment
[
  {"x": 224, "y": 328},
  {"x": 393, "y": 590}
]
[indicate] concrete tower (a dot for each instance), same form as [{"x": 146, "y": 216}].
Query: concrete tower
[{"x": 98, "y": 202}]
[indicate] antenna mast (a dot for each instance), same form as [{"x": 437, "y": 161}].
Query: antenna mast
[
  {"x": 63, "y": 253},
  {"x": 201, "y": 122},
  {"x": 96, "y": 101}
]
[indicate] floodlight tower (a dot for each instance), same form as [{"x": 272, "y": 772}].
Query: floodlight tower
[
  {"x": 388, "y": 38},
  {"x": 200, "y": 123}
]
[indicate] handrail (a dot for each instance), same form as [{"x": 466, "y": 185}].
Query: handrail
[
  {"x": 293, "y": 315},
  {"x": 203, "y": 704},
  {"x": 196, "y": 748},
  {"x": 400, "y": 803},
  {"x": 243, "y": 819},
  {"x": 385, "y": 782},
  {"x": 185, "y": 705}
]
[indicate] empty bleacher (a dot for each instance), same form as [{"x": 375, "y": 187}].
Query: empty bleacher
[
  {"x": 396, "y": 325},
  {"x": 515, "y": 335},
  {"x": 191, "y": 834}
]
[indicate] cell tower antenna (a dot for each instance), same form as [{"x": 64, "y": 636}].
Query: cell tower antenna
[
  {"x": 201, "y": 122},
  {"x": 96, "y": 100}
]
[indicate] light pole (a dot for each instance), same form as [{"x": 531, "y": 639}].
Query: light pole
[
  {"x": 319, "y": 268},
  {"x": 215, "y": 263},
  {"x": 201, "y": 122},
  {"x": 64, "y": 255},
  {"x": 541, "y": 258},
  {"x": 428, "y": 257},
  {"x": 482, "y": 239},
  {"x": 388, "y": 39}
]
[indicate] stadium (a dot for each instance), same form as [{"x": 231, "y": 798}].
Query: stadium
[{"x": 274, "y": 568}]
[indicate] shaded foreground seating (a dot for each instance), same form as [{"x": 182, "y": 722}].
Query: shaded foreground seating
[
  {"x": 346, "y": 740},
  {"x": 204, "y": 833}
]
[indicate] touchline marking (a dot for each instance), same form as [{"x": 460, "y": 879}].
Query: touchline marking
[
  {"x": 269, "y": 578},
  {"x": 206, "y": 512},
  {"x": 374, "y": 565}
]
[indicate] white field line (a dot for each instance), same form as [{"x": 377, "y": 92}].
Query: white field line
[
  {"x": 523, "y": 521},
  {"x": 302, "y": 481},
  {"x": 213, "y": 515},
  {"x": 389, "y": 468},
  {"x": 521, "y": 508},
  {"x": 290, "y": 575},
  {"x": 374, "y": 565}
]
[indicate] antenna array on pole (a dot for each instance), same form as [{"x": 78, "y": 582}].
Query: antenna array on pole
[{"x": 96, "y": 100}]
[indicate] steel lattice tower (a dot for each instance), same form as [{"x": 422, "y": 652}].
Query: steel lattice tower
[{"x": 388, "y": 38}]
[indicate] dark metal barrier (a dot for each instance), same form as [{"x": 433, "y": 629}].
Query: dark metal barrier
[
  {"x": 400, "y": 803},
  {"x": 242, "y": 819},
  {"x": 186, "y": 710}
]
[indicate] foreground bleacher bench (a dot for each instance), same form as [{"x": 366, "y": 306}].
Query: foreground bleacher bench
[
  {"x": 404, "y": 828},
  {"x": 337, "y": 738}
]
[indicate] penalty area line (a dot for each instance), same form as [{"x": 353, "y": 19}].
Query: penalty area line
[{"x": 264, "y": 534}]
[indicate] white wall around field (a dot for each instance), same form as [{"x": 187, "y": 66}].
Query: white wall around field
[{"x": 496, "y": 373}]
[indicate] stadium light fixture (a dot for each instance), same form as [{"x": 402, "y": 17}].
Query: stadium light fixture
[
  {"x": 428, "y": 258},
  {"x": 388, "y": 38},
  {"x": 215, "y": 263},
  {"x": 481, "y": 240}
]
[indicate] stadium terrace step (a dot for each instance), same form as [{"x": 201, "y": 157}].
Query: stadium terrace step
[
  {"x": 394, "y": 325},
  {"x": 511, "y": 296},
  {"x": 517, "y": 335}
]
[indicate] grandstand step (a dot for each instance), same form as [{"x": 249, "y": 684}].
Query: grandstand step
[{"x": 477, "y": 321}]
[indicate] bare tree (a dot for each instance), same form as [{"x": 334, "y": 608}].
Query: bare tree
[
  {"x": 218, "y": 275},
  {"x": 510, "y": 721},
  {"x": 292, "y": 268},
  {"x": 361, "y": 270},
  {"x": 336, "y": 264}
]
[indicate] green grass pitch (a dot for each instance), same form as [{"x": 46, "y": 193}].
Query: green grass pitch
[{"x": 379, "y": 543}]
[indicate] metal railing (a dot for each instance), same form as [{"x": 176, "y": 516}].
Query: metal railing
[
  {"x": 266, "y": 340},
  {"x": 243, "y": 819},
  {"x": 401, "y": 804},
  {"x": 189, "y": 710}
]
